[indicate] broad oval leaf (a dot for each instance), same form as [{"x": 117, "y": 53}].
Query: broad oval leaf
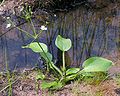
[
  {"x": 62, "y": 43},
  {"x": 72, "y": 71},
  {"x": 51, "y": 85},
  {"x": 46, "y": 85},
  {"x": 57, "y": 86},
  {"x": 96, "y": 64},
  {"x": 89, "y": 61},
  {"x": 37, "y": 47}
]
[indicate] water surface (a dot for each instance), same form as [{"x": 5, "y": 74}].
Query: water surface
[{"x": 93, "y": 33}]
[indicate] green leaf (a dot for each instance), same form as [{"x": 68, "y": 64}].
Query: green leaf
[
  {"x": 89, "y": 61},
  {"x": 35, "y": 46},
  {"x": 96, "y": 64},
  {"x": 89, "y": 74},
  {"x": 46, "y": 56},
  {"x": 51, "y": 85},
  {"x": 70, "y": 77},
  {"x": 62, "y": 43},
  {"x": 72, "y": 71},
  {"x": 40, "y": 76},
  {"x": 57, "y": 86},
  {"x": 46, "y": 85}
]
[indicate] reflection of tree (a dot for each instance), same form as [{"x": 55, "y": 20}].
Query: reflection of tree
[{"x": 88, "y": 31}]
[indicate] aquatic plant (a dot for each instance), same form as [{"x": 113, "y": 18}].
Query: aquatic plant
[
  {"x": 93, "y": 64},
  {"x": 60, "y": 76},
  {"x": 64, "y": 45}
]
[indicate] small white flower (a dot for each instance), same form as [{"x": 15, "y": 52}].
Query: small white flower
[
  {"x": 8, "y": 17},
  {"x": 8, "y": 25},
  {"x": 55, "y": 15},
  {"x": 43, "y": 28}
]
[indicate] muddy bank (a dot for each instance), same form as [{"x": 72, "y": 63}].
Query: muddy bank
[
  {"x": 26, "y": 85},
  {"x": 13, "y": 6}
]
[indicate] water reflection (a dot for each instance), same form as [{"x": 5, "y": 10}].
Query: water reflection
[
  {"x": 12, "y": 40},
  {"x": 93, "y": 33}
]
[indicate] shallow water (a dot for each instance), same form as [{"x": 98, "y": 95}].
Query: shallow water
[{"x": 93, "y": 33}]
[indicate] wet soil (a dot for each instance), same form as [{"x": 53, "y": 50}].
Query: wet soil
[{"x": 27, "y": 87}]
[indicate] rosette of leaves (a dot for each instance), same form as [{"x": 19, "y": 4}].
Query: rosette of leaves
[{"x": 92, "y": 64}]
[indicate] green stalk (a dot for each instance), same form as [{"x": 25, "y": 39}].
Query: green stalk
[
  {"x": 64, "y": 68},
  {"x": 34, "y": 31},
  {"x": 27, "y": 33},
  {"x": 8, "y": 75},
  {"x": 56, "y": 68},
  {"x": 63, "y": 57}
]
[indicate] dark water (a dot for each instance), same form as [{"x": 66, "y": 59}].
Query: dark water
[{"x": 93, "y": 33}]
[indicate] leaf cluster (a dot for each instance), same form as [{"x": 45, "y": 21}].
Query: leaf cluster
[{"x": 91, "y": 65}]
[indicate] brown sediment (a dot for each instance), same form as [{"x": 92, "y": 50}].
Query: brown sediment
[{"x": 53, "y": 5}]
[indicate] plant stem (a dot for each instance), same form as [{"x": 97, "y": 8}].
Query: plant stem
[
  {"x": 64, "y": 68},
  {"x": 63, "y": 57},
  {"x": 8, "y": 75},
  {"x": 34, "y": 31},
  {"x": 56, "y": 68},
  {"x": 20, "y": 29},
  {"x": 28, "y": 34}
]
